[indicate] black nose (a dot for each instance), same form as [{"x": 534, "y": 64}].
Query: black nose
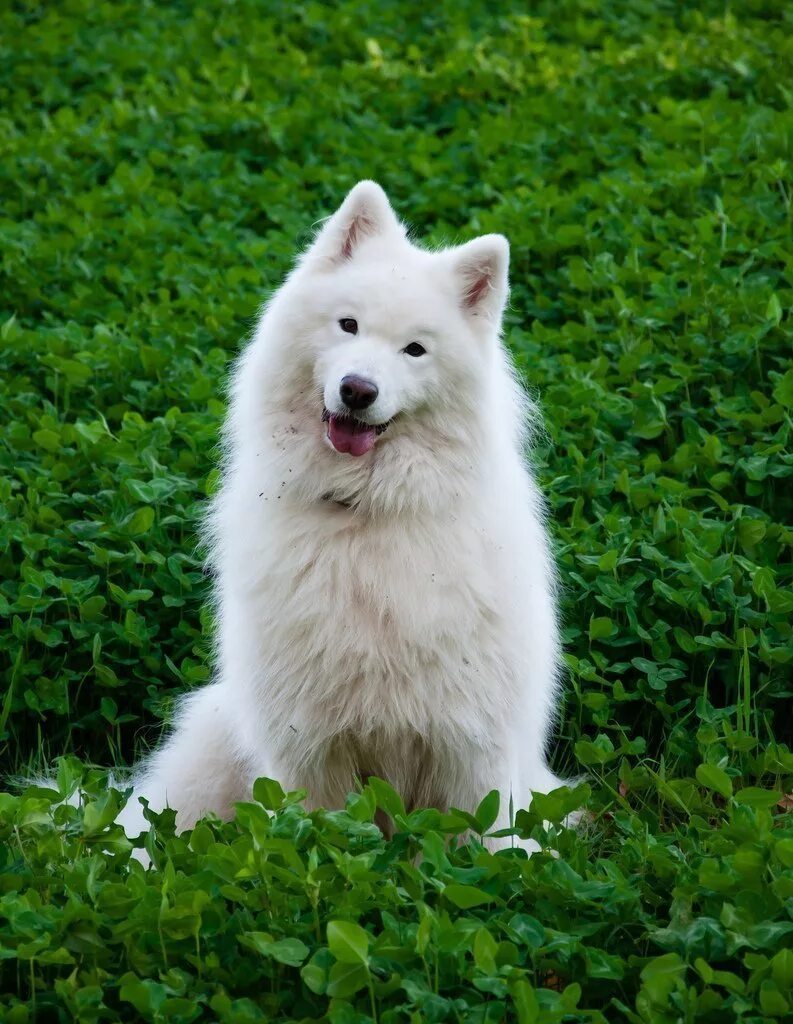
[{"x": 357, "y": 392}]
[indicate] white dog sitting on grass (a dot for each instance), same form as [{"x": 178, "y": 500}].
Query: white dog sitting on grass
[{"x": 383, "y": 579}]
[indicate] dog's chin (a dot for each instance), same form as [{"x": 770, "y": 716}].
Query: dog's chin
[{"x": 350, "y": 436}]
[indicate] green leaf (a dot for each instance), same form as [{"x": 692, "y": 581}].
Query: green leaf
[
  {"x": 712, "y": 777},
  {"x": 763, "y": 582},
  {"x": 526, "y": 1005},
  {"x": 346, "y": 979},
  {"x": 387, "y": 797},
  {"x": 487, "y": 811},
  {"x": 286, "y": 951},
  {"x": 47, "y": 439},
  {"x": 100, "y": 813},
  {"x": 527, "y": 930},
  {"x": 485, "y": 949},
  {"x": 782, "y": 968},
  {"x": 753, "y": 796},
  {"x": 773, "y": 311},
  {"x": 783, "y": 849},
  {"x": 783, "y": 389},
  {"x": 466, "y": 896},
  {"x": 772, "y": 1002},
  {"x": 661, "y": 977},
  {"x": 608, "y": 561},
  {"x": 600, "y": 627},
  {"x": 141, "y": 521},
  {"x": 348, "y": 942},
  {"x": 268, "y": 793},
  {"x": 556, "y": 806}
]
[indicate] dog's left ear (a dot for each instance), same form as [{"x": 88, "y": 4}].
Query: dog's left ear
[
  {"x": 482, "y": 271},
  {"x": 365, "y": 212}
]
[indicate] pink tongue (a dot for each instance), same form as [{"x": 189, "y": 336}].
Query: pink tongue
[{"x": 350, "y": 437}]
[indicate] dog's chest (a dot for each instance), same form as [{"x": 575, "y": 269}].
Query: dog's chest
[
  {"x": 375, "y": 589},
  {"x": 369, "y": 625}
]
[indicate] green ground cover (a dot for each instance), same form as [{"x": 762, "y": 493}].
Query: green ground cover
[{"x": 160, "y": 165}]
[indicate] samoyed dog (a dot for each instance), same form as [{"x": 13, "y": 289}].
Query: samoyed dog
[{"x": 383, "y": 579}]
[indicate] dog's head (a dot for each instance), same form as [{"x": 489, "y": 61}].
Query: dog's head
[{"x": 392, "y": 332}]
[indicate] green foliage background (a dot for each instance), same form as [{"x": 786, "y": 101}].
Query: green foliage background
[{"x": 160, "y": 166}]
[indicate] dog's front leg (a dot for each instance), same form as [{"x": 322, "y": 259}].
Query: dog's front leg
[{"x": 463, "y": 778}]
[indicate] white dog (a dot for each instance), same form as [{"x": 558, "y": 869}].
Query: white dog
[{"x": 383, "y": 579}]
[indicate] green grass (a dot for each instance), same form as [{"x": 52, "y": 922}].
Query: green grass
[{"x": 160, "y": 166}]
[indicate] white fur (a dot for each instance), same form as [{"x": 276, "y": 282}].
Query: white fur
[{"x": 389, "y": 614}]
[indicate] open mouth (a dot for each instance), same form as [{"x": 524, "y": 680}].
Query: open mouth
[{"x": 351, "y": 436}]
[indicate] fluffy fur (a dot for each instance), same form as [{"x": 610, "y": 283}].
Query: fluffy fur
[{"x": 389, "y": 614}]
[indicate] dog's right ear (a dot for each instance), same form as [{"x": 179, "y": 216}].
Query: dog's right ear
[
  {"x": 481, "y": 267},
  {"x": 365, "y": 212}
]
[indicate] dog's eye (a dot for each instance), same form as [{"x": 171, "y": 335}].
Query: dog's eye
[
  {"x": 414, "y": 349},
  {"x": 348, "y": 325}
]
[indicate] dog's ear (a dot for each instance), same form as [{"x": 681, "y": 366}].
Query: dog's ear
[
  {"x": 481, "y": 268},
  {"x": 365, "y": 212}
]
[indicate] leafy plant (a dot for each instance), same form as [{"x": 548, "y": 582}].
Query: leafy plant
[{"x": 161, "y": 165}]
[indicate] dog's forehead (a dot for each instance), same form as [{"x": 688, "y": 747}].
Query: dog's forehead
[{"x": 393, "y": 285}]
